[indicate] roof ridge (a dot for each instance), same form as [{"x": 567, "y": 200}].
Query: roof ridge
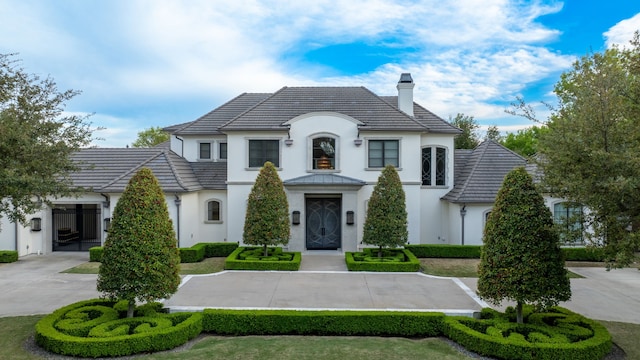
[
  {"x": 506, "y": 148},
  {"x": 434, "y": 114},
  {"x": 215, "y": 109},
  {"x": 475, "y": 166},
  {"x": 253, "y": 107},
  {"x": 133, "y": 169},
  {"x": 174, "y": 171},
  {"x": 396, "y": 108}
]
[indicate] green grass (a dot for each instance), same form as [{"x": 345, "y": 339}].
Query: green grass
[
  {"x": 458, "y": 267},
  {"x": 14, "y": 331},
  {"x": 206, "y": 266}
]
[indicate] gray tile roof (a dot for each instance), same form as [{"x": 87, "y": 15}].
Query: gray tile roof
[
  {"x": 211, "y": 175},
  {"x": 357, "y": 102},
  {"x": 324, "y": 179},
  {"x": 431, "y": 121},
  {"x": 210, "y": 123},
  {"x": 110, "y": 169},
  {"x": 480, "y": 177}
]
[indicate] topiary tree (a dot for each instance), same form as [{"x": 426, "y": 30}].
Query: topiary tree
[
  {"x": 386, "y": 222},
  {"x": 267, "y": 219},
  {"x": 521, "y": 258},
  {"x": 140, "y": 260}
]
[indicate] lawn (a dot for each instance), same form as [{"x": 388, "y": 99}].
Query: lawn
[
  {"x": 15, "y": 331},
  {"x": 465, "y": 267},
  {"x": 206, "y": 266}
]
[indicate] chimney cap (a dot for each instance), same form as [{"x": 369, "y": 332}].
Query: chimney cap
[{"x": 406, "y": 78}]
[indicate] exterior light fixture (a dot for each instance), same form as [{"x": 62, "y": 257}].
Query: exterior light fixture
[
  {"x": 36, "y": 224},
  {"x": 295, "y": 217},
  {"x": 350, "y": 218},
  {"x": 107, "y": 224},
  {"x": 288, "y": 142}
]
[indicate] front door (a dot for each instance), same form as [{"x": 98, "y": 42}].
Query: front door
[{"x": 323, "y": 223}]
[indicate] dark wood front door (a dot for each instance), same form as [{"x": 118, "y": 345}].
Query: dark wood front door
[{"x": 323, "y": 223}]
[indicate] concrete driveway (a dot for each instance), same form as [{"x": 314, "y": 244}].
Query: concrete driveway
[{"x": 34, "y": 285}]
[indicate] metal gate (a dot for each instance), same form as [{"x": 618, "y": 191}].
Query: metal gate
[{"x": 76, "y": 228}]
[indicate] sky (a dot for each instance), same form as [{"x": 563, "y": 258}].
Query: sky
[{"x": 144, "y": 63}]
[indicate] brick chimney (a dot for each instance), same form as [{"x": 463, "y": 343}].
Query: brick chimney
[{"x": 405, "y": 93}]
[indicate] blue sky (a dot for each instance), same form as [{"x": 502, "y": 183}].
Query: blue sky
[{"x": 143, "y": 63}]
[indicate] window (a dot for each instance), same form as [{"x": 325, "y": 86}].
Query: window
[
  {"x": 213, "y": 210},
  {"x": 261, "y": 151},
  {"x": 324, "y": 153},
  {"x": 383, "y": 153},
  {"x": 205, "y": 151},
  {"x": 568, "y": 217},
  {"x": 434, "y": 166},
  {"x": 222, "y": 151}
]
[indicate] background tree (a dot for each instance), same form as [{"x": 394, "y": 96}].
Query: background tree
[
  {"x": 36, "y": 141},
  {"x": 525, "y": 141},
  {"x": 493, "y": 134},
  {"x": 140, "y": 260},
  {"x": 267, "y": 219},
  {"x": 386, "y": 222},
  {"x": 521, "y": 258},
  {"x": 150, "y": 137},
  {"x": 469, "y": 138},
  {"x": 591, "y": 153}
]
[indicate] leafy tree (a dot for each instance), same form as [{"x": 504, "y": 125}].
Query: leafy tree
[
  {"x": 267, "y": 219},
  {"x": 525, "y": 141},
  {"x": 36, "y": 141},
  {"x": 591, "y": 153},
  {"x": 493, "y": 134},
  {"x": 140, "y": 260},
  {"x": 469, "y": 138},
  {"x": 386, "y": 222},
  {"x": 150, "y": 137},
  {"x": 521, "y": 258}
]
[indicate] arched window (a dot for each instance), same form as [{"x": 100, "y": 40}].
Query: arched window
[
  {"x": 324, "y": 153},
  {"x": 213, "y": 211},
  {"x": 434, "y": 166}
]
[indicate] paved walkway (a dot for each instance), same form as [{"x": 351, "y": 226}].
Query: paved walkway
[{"x": 34, "y": 285}]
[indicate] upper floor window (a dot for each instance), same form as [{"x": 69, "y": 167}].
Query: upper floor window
[
  {"x": 434, "y": 166},
  {"x": 383, "y": 153},
  {"x": 568, "y": 216},
  {"x": 213, "y": 210},
  {"x": 261, "y": 151},
  {"x": 324, "y": 153},
  {"x": 222, "y": 151},
  {"x": 204, "y": 151}
]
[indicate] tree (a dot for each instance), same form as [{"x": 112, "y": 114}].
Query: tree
[
  {"x": 469, "y": 138},
  {"x": 36, "y": 141},
  {"x": 591, "y": 153},
  {"x": 386, "y": 222},
  {"x": 493, "y": 134},
  {"x": 525, "y": 141},
  {"x": 140, "y": 260},
  {"x": 521, "y": 258},
  {"x": 150, "y": 137},
  {"x": 267, "y": 219}
]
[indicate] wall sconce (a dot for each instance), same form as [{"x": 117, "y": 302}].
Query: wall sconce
[
  {"x": 357, "y": 142},
  {"x": 295, "y": 217},
  {"x": 288, "y": 142},
  {"x": 106, "y": 204},
  {"x": 350, "y": 217},
  {"x": 107, "y": 224},
  {"x": 36, "y": 224}
]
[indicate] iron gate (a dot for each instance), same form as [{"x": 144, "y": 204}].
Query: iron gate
[{"x": 76, "y": 229}]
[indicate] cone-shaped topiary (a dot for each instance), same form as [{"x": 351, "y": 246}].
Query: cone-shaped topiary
[
  {"x": 140, "y": 260},
  {"x": 521, "y": 258},
  {"x": 267, "y": 219},
  {"x": 386, "y": 222}
]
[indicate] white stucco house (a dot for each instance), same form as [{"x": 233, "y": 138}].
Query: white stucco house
[{"x": 329, "y": 145}]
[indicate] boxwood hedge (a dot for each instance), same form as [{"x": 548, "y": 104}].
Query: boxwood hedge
[
  {"x": 368, "y": 260},
  {"x": 237, "y": 261},
  {"x": 196, "y": 253},
  {"x": 473, "y": 252},
  {"x": 8, "y": 256}
]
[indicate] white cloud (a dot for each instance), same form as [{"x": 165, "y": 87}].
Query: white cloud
[{"x": 621, "y": 33}]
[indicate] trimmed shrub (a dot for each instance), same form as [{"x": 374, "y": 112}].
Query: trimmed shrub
[
  {"x": 187, "y": 255},
  {"x": 445, "y": 251},
  {"x": 338, "y": 323},
  {"x": 583, "y": 254},
  {"x": 368, "y": 260},
  {"x": 219, "y": 249},
  {"x": 274, "y": 261},
  {"x": 95, "y": 254},
  {"x": 8, "y": 256},
  {"x": 196, "y": 253}
]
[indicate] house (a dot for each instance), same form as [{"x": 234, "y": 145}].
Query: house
[{"x": 329, "y": 145}]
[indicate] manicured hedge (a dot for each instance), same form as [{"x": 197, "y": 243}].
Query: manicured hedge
[
  {"x": 8, "y": 256},
  {"x": 92, "y": 329},
  {"x": 196, "y": 253},
  {"x": 473, "y": 252},
  {"x": 366, "y": 261},
  {"x": 307, "y": 322},
  {"x": 233, "y": 261}
]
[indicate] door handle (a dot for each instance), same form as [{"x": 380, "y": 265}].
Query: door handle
[{"x": 322, "y": 231}]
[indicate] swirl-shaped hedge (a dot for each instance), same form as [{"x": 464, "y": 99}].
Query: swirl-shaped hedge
[{"x": 93, "y": 328}]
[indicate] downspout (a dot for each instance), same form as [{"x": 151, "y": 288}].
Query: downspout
[
  {"x": 463, "y": 212},
  {"x": 178, "y": 201},
  {"x": 181, "y": 145}
]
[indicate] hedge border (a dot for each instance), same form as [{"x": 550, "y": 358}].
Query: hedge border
[
  {"x": 233, "y": 263},
  {"x": 473, "y": 252},
  {"x": 8, "y": 256},
  {"x": 196, "y": 253},
  {"x": 412, "y": 265}
]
